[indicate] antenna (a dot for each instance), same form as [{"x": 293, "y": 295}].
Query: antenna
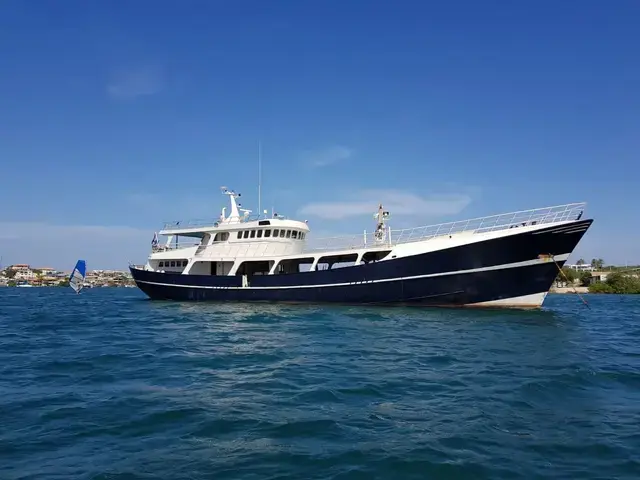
[{"x": 259, "y": 178}]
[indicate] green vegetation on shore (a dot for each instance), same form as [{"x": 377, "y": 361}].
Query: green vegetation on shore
[
  {"x": 573, "y": 277},
  {"x": 617, "y": 282},
  {"x": 613, "y": 279}
]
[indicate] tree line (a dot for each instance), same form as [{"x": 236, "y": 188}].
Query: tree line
[{"x": 619, "y": 279}]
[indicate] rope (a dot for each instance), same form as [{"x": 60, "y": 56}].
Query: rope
[{"x": 569, "y": 282}]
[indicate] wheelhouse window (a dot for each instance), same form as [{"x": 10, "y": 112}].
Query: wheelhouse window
[
  {"x": 161, "y": 264},
  {"x": 267, "y": 233},
  {"x": 253, "y": 234},
  {"x": 282, "y": 232},
  {"x": 246, "y": 234},
  {"x": 259, "y": 233},
  {"x": 239, "y": 234},
  {"x": 294, "y": 234}
]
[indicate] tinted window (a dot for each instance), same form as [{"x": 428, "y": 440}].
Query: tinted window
[
  {"x": 259, "y": 233},
  {"x": 275, "y": 232},
  {"x": 253, "y": 234},
  {"x": 294, "y": 234},
  {"x": 267, "y": 233},
  {"x": 239, "y": 234}
]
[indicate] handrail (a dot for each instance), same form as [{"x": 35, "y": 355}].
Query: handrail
[
  {"x": 559, "y": 213},
  {"x": 181, "y": 225},
  {"x": 164, "y": 248},
  {"x": 545, "y": 215}
]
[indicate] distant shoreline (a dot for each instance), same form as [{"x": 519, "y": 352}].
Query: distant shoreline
[{"x": 569, "y": 290}]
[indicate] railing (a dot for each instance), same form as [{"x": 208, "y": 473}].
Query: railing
[
  {"x": 572, "y": 211},
  {"x": 173, "y": 246},
  {"x": 198, "y": 223},
  {"x": 344, "y": 242},
  {"x": 247, "y": 249}
]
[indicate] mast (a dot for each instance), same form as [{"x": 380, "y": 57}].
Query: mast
[
  {"x": 234, "y": 215},
  {"x": 380, "y": 216},
  {"x": 259, "y": 178}
]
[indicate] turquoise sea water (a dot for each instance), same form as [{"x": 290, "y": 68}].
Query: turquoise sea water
[{"x": 109, "y": 385}]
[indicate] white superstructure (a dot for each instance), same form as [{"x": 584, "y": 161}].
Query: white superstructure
[{"x": 241, "y": 244}]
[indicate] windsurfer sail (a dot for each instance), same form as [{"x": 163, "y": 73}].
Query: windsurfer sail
[{"x": 76, "y": 280}]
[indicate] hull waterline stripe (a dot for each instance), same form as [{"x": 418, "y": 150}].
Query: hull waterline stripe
[{"x": 526, "y": 263}]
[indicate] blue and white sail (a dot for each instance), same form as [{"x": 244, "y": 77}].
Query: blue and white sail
[{"x": 76, "y": 280}]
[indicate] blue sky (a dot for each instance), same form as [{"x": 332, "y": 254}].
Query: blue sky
[{"x": 116, "y": 116}]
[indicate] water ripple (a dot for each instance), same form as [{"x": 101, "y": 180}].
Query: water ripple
[{"x": 107, "y": 385}]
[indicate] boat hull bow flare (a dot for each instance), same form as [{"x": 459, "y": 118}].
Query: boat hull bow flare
[{"x": 498, "y": 261}]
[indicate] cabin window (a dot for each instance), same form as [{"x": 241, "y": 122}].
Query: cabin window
[
  {"x": 259, "y": 267},
  {"x": 275, "y": 232},
  {"x": 267, "y": 233},
  {"x": 253, "y": 234},
  {"x": 331, "y": 262},
  {"x": 294, "y": 234},
  {"x": 288, "y": 233},
  {"x": 221, "y": 237},
  {"x": 303, "y": 235},
  {"x": 282, "y": 232},
  {"x": 173, "y": 263},
  {"x": 239, "y": 234},
  {"x": 246, "y": 234},
  {"x": 161, "y": 264},
  {"x": 184, "y": 263},
  {"x": 374, "y": 256},
  {"x": 259, "y": 233},
  {"x": 296, "y": 265}
]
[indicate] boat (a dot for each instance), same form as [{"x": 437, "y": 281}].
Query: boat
[
  {"x": 76, "y": 279},
  {"x": 506, "y": 260},
  {"x": 24, "y": 284}
]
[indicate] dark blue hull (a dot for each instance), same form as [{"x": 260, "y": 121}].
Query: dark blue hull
[{"x": 488, "y": 271}]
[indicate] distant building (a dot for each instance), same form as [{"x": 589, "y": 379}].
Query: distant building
[
  {"x": 599, "y": 277},
  {"x": 20, "y": 267},
  {"x": 46, "y": 270},
  {"x": 585, "y": 267},
  {"x": 25, "y": 275}
]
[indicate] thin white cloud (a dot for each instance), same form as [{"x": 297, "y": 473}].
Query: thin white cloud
[
  {"x": 181, "y": 207},
  {"x": 327, "y": 156},
  {"x": 135, "y": 82},
  {"x": 60, "y": 246},
  {"x": 396, "y": 202}
]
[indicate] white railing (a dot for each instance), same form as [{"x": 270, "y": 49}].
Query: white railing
[
  {"x": 173, "y": 246},
  {"x": 560, "y": 213},
  {"x": 209, "y": 222},
  {"x": 344, "y": 242},
  {"x": 247, "y": 249}
]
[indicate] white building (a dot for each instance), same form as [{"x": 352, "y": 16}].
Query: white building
[
  {"x": 585, "y": 267},
  {"x": 25, "y": 275}
]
